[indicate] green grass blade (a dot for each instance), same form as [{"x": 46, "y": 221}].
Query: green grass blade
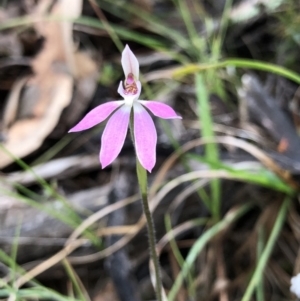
[
  {"x": 239, "y": 63},
  {"x": 52, "y": 211},
  {"x": 176, "y": 252},
  {"x": 153, "y": 23},
  {"x": 262, "y": 177},
  {"x": 14, "y": 250},
  {"x": 35, "y": 291},
  {"x": 211, "y": 150},
  {"x": 201, "y": 192},
  {"x": 152, "y": 42},
  {"x": 259, "y": 270},
  {"x": 58, "y": 214},
  {"x": 39, "y": 293},
  {"x": 111, "y": 32},
  {"x": 70, "y": 271},
  {"x": 201, "y": 243},
  {"x": 259, "y": 250},
  {"x": 48, "y": 188},
  {"x": 223, "y": 25},
  {"x": 54, "y": 150},
  {"x": 197, "y": 45}
]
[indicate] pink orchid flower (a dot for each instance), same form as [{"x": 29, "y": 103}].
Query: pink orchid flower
[{"x": 116, "y": 128}]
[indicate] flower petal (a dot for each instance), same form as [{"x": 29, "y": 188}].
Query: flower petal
[
  {"x": 130, "y": 63},
  {"x": 96, "y": 115},
  {"x": 145, "y": 137},
  {"x": 130, "y": 97},
  {"x": 121, "y": 90},
  {"x": 160, "y": 109},
  {"x": 114, "y": 135}
]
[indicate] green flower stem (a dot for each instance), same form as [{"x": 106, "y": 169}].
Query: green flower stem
[{"x": 142, "y": 180}]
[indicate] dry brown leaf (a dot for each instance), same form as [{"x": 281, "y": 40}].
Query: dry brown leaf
[
  {"x": 10, "y": 112},
  {"x": 50, "y": 89},
  {"x": 26, "y": 135}
]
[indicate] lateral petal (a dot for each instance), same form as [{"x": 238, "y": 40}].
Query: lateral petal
[
  {"x": 121, "y": 90},
  {"x": 96, "y": 115},
  {"x": 160, "y": 109},
  {"x": 130, "y": 63},
  {"x": 114, "y": 135},
  {"x": 145, "y": 137}
]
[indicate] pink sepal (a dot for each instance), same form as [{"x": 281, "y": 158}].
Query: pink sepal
[
  {"x": 160, "y": 109},
  {"x": 145, "y": 137},
  {"x": 96, "y": 116},
  {"x": 130, "y": 63},
  {"x": 114, "y": 135}
]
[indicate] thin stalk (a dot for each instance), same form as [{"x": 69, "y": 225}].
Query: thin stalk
[
  {"x": 211, "y": 150},
  {"x": 142, "y": 180},
  {"x": 259, "y": 251},
  {"x": 238, "y": 63},
  {"x": 201, "y": 243},
  {"x": 106, "y": 25},
  {"x": 265, "y": 255}
]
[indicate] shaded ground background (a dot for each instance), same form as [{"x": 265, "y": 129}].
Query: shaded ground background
[{"x": 230, "y": 69}]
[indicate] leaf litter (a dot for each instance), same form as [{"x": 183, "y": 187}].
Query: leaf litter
[{"x": 49, "y": 90}]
